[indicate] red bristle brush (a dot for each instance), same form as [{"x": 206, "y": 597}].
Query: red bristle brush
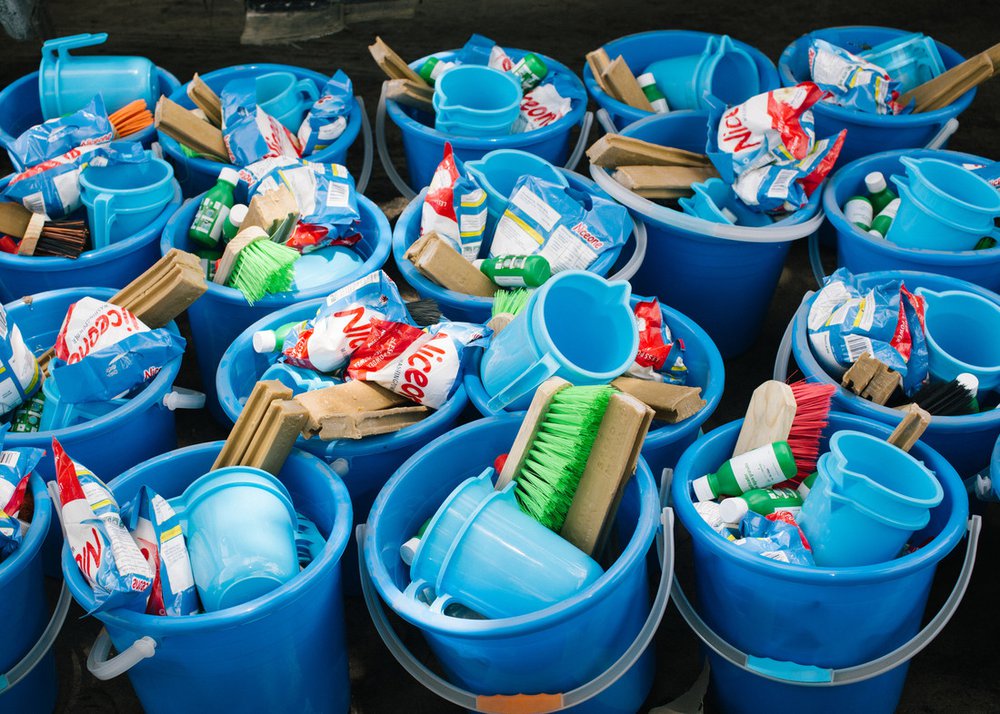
[{"x": 795, "y": 413}]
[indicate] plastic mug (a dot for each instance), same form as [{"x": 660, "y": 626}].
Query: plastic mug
[
  {"x": 286, "y": 98},
  {"x": 911, "y": 60},
  {"x": 240, "y": 526},
  {"x": 472, "y": 100},
  {"x": 722, "y": 70},
  {"x": 298, "y": 379},
  {"x": 57, "y": 414},
  {"x": 715, "y": 201},
  {"x": 963, "y": 335},
  {"x": 122, "y": 199}
]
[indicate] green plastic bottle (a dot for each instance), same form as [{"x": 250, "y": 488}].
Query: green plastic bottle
[
  {"x": 858, "y": 210},
  {"x": 531, "y": 70},
  {"x": 879, "y": 192},
  {"x": 884, "y": 219},
  {"x": 432, "y": 68},
  {"x": 206, "y": 228},
  {"x": 806, "y": 486},
  {"x": 764, "y": 501},
  {"x": 516, "y": 271},
  {"x": 759, "y": 468},
  {"x": 270, "y": 341},
  {"x": 28, "y": 416},
  {"x": 657, "y": 99}
]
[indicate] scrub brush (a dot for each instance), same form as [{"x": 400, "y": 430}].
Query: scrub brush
[
  {"x": 424, "y": 311},
  {"x": 510, "y": 302},
  {"x": 812, "y": 408},
  {"x": 551, "y": 450},
  {"x": 950, "y": 398}
]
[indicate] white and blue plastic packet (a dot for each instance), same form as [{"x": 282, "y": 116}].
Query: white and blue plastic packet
[
  {"x": 250, "y": 133},
  {"x": 476, "y": 50},
  {"x": 775, "y": 539},
  {"x": 16, "y": 466},
  {"x": 101, "y": 545},
  {"x": 660, "y": 357},
  {"x": 852, "y": 81},
  {"x": 157, "y": 532},
  {"x": 20, "y": 377},
  {"x": 89, "y": 126},
  {"x": 846, "y": 321},
  {"x": 569, "y": 228},
  {"x": 328, "y": 117},
  {"x": 455, "y": 207},
  {"x": 343, "y": 323},
  {"x": 990, "y": 172}
]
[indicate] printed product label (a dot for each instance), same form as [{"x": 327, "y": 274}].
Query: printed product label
[
  {"x": 756, "y": 469},
  {"x": 859, "y": 212}
]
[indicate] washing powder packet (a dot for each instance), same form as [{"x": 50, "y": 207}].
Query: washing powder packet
[
  {"x": 853, "y": 82},
  {"x": 540, "y": 107},
  {"x": 660, "y": 357},
  {"x": 887, "y": 322},
  {"x": 424, "y": 366},
  {"x": 52, "y": 187},
  {"x": 250, "y": 133},
  {"x": 102, "y": 547},
  {"x": 90, "y": 126},
  {"x": 455, "y": 207},
  {"x": 20, "y": 377},
  {"x": 990, "y": 172},
  {"x": 711, "y": 513},
  {"x": 157, "y": 532},
  {"x": 343, "y": 324},
  {"x": 569, "y": 228},
  {"x": 103, "y": 351},
  {"x": 327, "y": 118},
  {"x": 777, "y": 539},
  {"x": 16, "y": 466},
  {"x": 327, "y": 200}
]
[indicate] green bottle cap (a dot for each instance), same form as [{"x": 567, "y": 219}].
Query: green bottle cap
[
  {"x": 535, "y": 63},
  {"x": 427, "y": 68}
]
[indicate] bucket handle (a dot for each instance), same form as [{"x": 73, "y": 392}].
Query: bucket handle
[
  {"x": 104, "y": 669},
  {"x": 524, "y": 703},
  {"x": 27, "y": 663},
  {"x": 628, "y": 271},
  {"x": 784, "y": 355},
  {"x": 404, "y": 188},
  {"x": 534, "y": 375},
  {"x": 604, "y": 119},
  {"x": 366, "y": 138}
]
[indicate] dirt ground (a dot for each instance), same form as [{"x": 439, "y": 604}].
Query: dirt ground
[{"x": 185, "y": 36}]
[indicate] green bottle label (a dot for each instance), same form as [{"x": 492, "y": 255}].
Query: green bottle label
[{"x": 207, "y": 224}]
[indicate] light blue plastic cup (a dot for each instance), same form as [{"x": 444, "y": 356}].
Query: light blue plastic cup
[
  {"x": 504, "y": 563},
  {"x": 122, "y": 199},
  {"x": 722, "y": 70},
  {"x": 577, "y": 326},
  {"x": 67, "y": 83},
  {"x": 240, "y": 526},
  {"x": 911, "y": 60},
  {"x": 285, "y": 97},
  {"x": 472, "y": 100},
  {"x": 963, "y": 335},
  {"x": 298, "y": 379},
  {"x": 712, "y": 196},
  {"x": 869, "y": 497},
  {"x": 57, "y": 414},
  {"x": 497, "y": 173}
]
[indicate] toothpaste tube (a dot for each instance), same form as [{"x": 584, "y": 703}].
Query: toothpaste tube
[
  {"x": 102, "y": 547},
  {"x": 660, "y": 358},
  {"x": 851, "y": 81},
  {"x": 89, "y": 126},
  {"x": 424, "y": 366},
  {"x": 455, "y": 207},
  {"x": 327, "y": 118},
  {"x": 157, "y": 532},
  {"x": 19, "y": 374},
  {"x": 342, "y": 324},
  {"x": 16, "y": 466},
  {"x": 568, "y": 228},
  {"x": 250, "y": 133}
]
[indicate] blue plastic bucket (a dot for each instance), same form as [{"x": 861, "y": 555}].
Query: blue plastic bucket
[
  {"x": 114, "y": 266},
  {"x": 721, "y": 276},
  {"x": 222, "y": 313},
  {"x": 965, "y": 441},
  {"x": 424, "y": 145},
  {"x": 473, "y": 308},
  {"x": 22, "y": 584},
  {"x": 197, "y": 175},
  {"x": 363, "y": 464},
  {"x": 869, "y": 133},
  {"x": 811, "y": 637},
  {"x": 665, "y": 443},
  {"x": 21, "y": 109},
  {"x": 293, "y": 637},
  {"x": 552, "y": 650},
  {"x": 642, "y": 49},
  {"x": 861, "y": 253}
]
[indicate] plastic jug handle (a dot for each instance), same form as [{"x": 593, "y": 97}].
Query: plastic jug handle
[
  {"x": 63, "y": 45},
  {"x": 528, "y": 380},
  {"x": 525, "y": 703},
  {"x": 27, "y": 663},
  {"x": 103, "y": 668},
  {"x": 307, "y": 88},
  {"x": 102, "y": 219}
]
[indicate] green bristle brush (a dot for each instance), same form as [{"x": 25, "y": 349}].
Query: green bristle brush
[
  {"x": 510, "y": 302},
  {"x": 263, "y": 268}
]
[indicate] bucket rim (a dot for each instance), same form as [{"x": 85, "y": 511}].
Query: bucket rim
[
  {"x": 146, "y": 399},
  {"x": 139, "y": 623},
  {"x": 573, "y": 117},
  {"x": 136, "y": 190},
  {"x": 92, "y": 258},
  {"x": 347, "y": 448},
  {"x": 810, "y": 366},
  {"x": 927, "y": 556},
  {"x": 857, "y": 168},
  {"x": 382, "y": 243},
  {"x": 634, "y": 554},
  {"x": 880, "y": 121},
  {"x": 172, "y": 148},
  {"x": 38, "y": 529},
  {"x": 621, "y": 108}
]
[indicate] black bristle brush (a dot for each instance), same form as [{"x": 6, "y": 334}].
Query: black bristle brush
[
  {"x": 425, "y": 311},
  {"x": 952, "y": 398}
]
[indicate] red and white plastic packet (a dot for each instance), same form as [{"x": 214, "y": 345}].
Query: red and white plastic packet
[
  {"x": 455, "y": 207},
  {"x": 540, "y": 107},
  {"x": 423, "y": 366},
  {"x": 660, "y": 357},
  {"x": 500, "y": 60},
  {"x": 92, "y": 324}
]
